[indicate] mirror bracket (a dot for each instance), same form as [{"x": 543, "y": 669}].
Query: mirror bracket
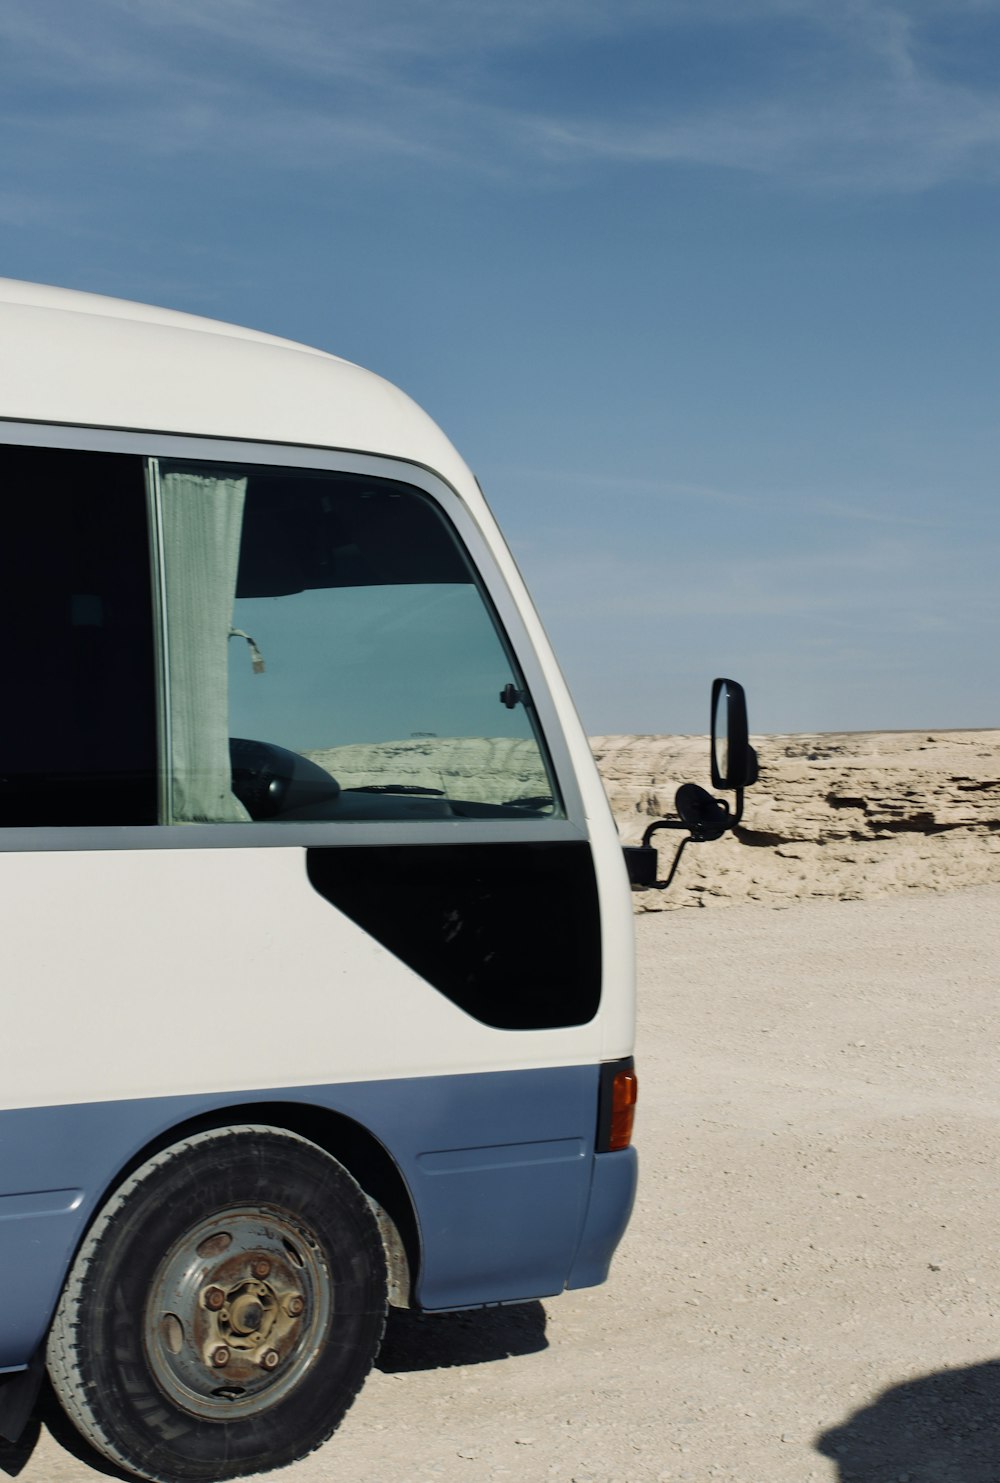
[
  {"x": 733, "y": 765},
  {"x": 643, "y": 862}
]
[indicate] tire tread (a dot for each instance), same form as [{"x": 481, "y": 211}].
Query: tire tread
[{"x": 62, "y": 1352}]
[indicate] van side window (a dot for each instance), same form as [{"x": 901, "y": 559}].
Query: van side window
[
  {"x": 78, "y": 737},
  {"x": 332, "y": 656}
]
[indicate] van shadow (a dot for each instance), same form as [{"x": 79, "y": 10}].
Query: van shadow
[
  {"x": 413, "y": 1341},
  {"x": 437, "y": 1341},
  {"x": 15, "y": 1456},
  {"x": 941, "y": 1428},
  {"x": 48, "y": 1415}
]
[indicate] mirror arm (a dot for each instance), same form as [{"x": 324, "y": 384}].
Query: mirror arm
[
  {"x": 662, "y": 885},
  {"x": 662, "y": 824},
  {"x": 658, "y": 824}
]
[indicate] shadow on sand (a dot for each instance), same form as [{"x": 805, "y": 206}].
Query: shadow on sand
[
  {"x": 412, "y": 1341},
  {"x": 15, "y": 1456},
  {"x": 418, "y": 1341},
  {"x": 942, "y": 1428}
]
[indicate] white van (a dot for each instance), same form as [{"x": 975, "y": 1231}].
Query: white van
[{"x": 318, "y": 988}]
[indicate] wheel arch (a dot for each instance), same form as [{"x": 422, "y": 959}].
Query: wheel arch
[{"x": 364, "y": 1157}]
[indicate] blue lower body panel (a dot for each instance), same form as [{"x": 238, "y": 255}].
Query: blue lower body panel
[
  {"x": 612, "y": 1195},
  {"x": 38, "y": 1232},
  {"x": 510, "y": 1200}
]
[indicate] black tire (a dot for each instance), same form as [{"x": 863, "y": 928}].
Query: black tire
[{"x": 223, "y": 1310}]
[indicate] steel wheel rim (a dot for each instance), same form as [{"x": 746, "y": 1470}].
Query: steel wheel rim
[{"x": 238, "y": 1312}]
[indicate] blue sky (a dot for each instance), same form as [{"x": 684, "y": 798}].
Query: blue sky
[{"x": 706, "y": 292}]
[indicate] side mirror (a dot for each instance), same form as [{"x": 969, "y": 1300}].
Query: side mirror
[
  {"x": 734, "y": 765},
  {"x": 734, "y": 761}
]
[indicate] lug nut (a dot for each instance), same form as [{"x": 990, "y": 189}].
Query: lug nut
[
  {"x": 261, "y": 1267},
  {"x": 270, "y": 1359},
  {"x": 295, "y": 1306},
  {"x": 220, "y": 1356},
  {"x": 214, "y": 1298}
]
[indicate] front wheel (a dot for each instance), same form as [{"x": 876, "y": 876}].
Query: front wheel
[{"x": 224, "y": 1309}]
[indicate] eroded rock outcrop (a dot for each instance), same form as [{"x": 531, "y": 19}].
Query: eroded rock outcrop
[{"x": 848, "y": 816}]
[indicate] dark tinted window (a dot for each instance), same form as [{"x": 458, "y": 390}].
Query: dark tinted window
[
  {"x": 511, "y": 933},
  {"x": 78, "y": 735}
]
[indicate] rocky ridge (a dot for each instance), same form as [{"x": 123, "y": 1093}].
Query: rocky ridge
[{"x": 846, "y": 816}]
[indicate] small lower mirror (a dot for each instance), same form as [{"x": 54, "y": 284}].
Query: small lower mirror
[{"x": 706, "y": 817}]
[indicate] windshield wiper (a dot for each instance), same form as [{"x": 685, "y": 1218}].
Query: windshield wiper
[{"x": 399, "y": 788}]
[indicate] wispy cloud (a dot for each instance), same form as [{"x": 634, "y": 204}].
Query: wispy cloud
[
  {"x": 22, "y": 209},
  {"x": 870, "y": 138},
  {"x": 869, "y": 113},
  {"x": 895, "y": 508},
  {"x": 570, "y": 483},
  {"x": 888, "y": 584},
  {"x": 328, "y": 84}
]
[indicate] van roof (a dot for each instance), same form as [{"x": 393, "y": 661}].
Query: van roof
[{"x": 85, "y": 359}]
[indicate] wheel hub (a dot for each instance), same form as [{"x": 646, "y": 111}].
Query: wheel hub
[
  {"x": 252, "y": 1317},
  {"x": 237, "y": 1312}
]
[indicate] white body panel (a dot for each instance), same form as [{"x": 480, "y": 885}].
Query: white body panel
[
  {"x": 69, "y": 361},
  {"x": 187, "y": 919},
  {"x": 257, "y": 982}
]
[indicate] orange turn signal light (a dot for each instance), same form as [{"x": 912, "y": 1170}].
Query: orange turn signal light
[{"x": 624, "y": 1094}]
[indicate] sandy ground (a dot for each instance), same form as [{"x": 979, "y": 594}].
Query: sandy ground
[{"x": 810, "y": 1287}]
